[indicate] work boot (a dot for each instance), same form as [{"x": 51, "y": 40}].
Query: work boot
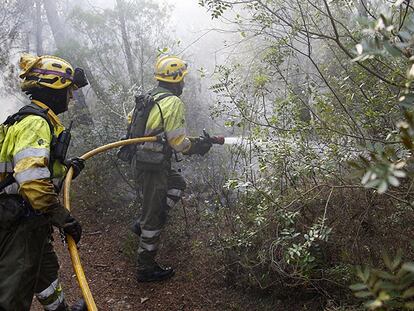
[
  {"x": 155, "y": 274},
  {"x": 136, "y": 228},
  {"x": 79, "y": 306}
]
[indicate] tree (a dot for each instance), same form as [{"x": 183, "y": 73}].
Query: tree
[{"x": 309, "y": 99}]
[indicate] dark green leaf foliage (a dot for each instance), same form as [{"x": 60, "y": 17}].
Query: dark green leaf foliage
[{"x": 390, "y": 289}]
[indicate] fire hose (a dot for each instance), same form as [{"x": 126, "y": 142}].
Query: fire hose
[{"x": 73, "y": 250}]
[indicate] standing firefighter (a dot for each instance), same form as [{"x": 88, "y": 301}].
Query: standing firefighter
[
  {"x": 33, "y": 144},
  {"x": 159, "y": 113}
]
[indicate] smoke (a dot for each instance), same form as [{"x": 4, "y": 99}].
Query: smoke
[{"x": 8, "y": 106}]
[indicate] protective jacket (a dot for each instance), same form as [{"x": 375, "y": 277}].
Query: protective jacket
[
  {"x": 168, "y": 120},
  {"x": 26, "y": 151}
]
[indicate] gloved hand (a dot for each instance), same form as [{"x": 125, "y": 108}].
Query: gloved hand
[
  {"x": 61, "y": 218},
  {"x": 199, "y": 146},
  {"x": 73, "y": 228},
  {"x": 78, "y": 165}
]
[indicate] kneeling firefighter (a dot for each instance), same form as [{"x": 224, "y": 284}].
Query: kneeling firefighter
[
  {"x": 33, "y": 145},
  {"x": 159, "y": 113}
]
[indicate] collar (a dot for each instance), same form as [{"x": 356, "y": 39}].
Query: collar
[
  {"x": 159, "y": 90},
  {"x": 52, "y": 116}
]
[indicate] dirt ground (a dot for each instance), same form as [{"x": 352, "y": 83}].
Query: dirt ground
[{"x": 107, "y": 253}]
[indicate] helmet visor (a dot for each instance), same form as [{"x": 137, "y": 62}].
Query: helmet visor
[{"x": 79, "y": 78}]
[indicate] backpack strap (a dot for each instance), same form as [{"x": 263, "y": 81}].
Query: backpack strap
[
  {"x": 31, "y": 109},
  {"x": 161, "y": 97},
  {"x": 149, "y": 102}
]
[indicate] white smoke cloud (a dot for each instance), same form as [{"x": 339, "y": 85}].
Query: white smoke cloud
[
  {"x": 10, "y": 102},
  {"x": 8, "y": 105}
]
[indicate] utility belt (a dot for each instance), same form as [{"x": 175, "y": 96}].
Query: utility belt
[{"x": 14, "y": 209}]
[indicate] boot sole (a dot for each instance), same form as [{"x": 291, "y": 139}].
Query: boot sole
[{"x": 147, "y": 280}]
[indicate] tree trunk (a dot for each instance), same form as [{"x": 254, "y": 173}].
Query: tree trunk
[
  {"x": 127, "y": 47},
  {"x": 38, "y": 28},
  {"x": 81, "y": 112},
  {"x": 56, "y": 26}
]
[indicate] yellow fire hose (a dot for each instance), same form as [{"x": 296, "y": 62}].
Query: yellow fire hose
[{"x": 74, "y": 255}]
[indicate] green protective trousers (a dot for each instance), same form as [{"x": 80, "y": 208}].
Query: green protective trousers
[
  {"x": 28, "y": 266},
  {"x": 161, "y": 190}
]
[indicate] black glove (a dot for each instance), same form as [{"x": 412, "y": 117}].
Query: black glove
[
  {"x": 60, "y": 217},
  {"x": 199, "y": 146},
  {"x": 73, "y": 228},
  {"x": 78, "y": 165}
]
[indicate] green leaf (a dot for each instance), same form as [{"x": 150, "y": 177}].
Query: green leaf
[
  {"x": 405, "y": 35},
  {"x": 407, "y": 279},
  {"x": 373, "y": 183},
  {"x": 374, "y": 304},
  {"x": 387, "y": 260},
  {"x": 384, "y": 296},
  {"x": 397, "y": 260},
  {"x": 401, "y": 273},
  {"x": 363, "y": 274},
  {"x": 393, "y": 181},
  {"x": 358, "y": 286},
  {"x": 408, "y": 293},
  {"x": 383, "y": 186},
  {"x": 409, "y": 266},
  {"x": 392, "y": 50},
  {"x": 409, "y": 305},
  {"x": 385, "y": 275},
  {"x": 388, "y": 285},
  {"x": 407, "y": 100},
  {"x": 363, "y": 294},
  {"x": 378, "y": 285}
]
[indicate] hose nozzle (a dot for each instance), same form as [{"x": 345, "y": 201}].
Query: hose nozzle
[{"x": 218, "y": 140}]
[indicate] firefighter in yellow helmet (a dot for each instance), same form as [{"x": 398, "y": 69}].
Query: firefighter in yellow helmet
[
  {"x": 33, "y": 143},
  {"x": 161, "y": 186}
]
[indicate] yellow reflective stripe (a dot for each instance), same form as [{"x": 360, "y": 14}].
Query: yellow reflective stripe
[
  {"x": 31, "y": 152},
  {"x": 6, "y": 167},
  {"x": 32, "y": 174},
  {"x": 150, "y": 233}
]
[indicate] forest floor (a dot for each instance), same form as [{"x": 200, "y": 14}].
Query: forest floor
[{"x": 107, "y": 252}]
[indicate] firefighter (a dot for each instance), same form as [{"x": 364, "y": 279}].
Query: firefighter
[
  {"x": 160, "y": 185},
  {"x": 29, "y": 205}
]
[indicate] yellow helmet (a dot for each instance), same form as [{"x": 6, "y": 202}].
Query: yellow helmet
[
  {"x": 49, "y": 71},
  {"x": 170, "y": 69}
]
